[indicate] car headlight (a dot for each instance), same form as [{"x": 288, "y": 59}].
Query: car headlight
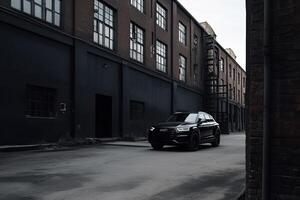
[
  {"x": 152, "y": 129},
  {"x": 182, "y": 129}
]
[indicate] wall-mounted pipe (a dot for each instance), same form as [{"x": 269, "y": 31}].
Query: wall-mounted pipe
[{"x": 267, "y": 89}]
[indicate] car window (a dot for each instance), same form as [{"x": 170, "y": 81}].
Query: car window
[
  {"x": 183, "y": 117},
  {"x": 201, "y": 116},
  {"x": 207, "y": 116}
]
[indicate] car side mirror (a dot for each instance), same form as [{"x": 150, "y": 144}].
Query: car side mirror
[{"x": 200, "y": 121}]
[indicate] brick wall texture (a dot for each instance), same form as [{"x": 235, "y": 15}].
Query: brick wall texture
[{"x": 285, "y": 103}]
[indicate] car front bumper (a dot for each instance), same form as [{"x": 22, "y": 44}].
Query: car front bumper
[{"x": 170, "y": 137}]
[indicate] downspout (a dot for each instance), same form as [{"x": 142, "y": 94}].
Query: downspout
[
  {"x": 267, "y": 85},
  {"x": 73, "y": 73}
]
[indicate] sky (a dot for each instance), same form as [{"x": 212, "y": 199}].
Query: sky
[{"x": 227, "y": 18}]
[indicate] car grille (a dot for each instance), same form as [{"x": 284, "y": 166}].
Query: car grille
[{"x": 164, "y": 134}]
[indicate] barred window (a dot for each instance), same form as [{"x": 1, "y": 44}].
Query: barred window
[
  {"x": 47, "y": 10},
  {"x": 182, "y": 33},
  {"x": 40, "y": 101},
  {"x": 138, "y": 4},
  {"x": 161, "y": 16},
  {"x": 182, "y": 68},
  {"x": 103, "y": 25},
  {"x": 136, "y": 43},
  {"x": 161, "y": 56}
]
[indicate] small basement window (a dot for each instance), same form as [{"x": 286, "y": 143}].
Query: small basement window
[
  {"x": 40, "y": 101},
  {"x": 137, "y": 110}
]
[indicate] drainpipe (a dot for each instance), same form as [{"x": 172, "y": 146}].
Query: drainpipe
[{"x": 267, "y": 85}]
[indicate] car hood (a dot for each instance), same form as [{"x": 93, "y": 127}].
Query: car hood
[{"x": 171, "y": 124}]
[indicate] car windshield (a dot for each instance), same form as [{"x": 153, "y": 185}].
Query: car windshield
[{"x": 183, "y": 117}]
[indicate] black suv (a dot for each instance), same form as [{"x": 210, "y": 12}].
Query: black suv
[{"x": 184, "y": 128}]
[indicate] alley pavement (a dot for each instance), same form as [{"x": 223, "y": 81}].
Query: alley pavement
[{"x": 126, "y": 171}]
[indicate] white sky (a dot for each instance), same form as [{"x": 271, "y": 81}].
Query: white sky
[{"x": 227, "y": 18}]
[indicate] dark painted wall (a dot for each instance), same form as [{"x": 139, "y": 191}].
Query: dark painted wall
[
  {"x": 187, "y": 100},
  {"x": 153, "y": 92},
  {"x": 27, "y": 58},
  {"x": 94, "y": 75}
]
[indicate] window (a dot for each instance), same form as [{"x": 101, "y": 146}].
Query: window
[
  {"x": 195, "y": 42},
  {"x": 161, "y": 16},
  {"x": 230, "y": 91},
  {"x": 233, "y": 74},
  {"x": 136, "y": 43},
  {"x": 103, "y": 25},
  {"x": 244, "y": 82},
  {"x": 137, "y": 110},
  {"x": 230, "y": 71},
  {"x": 239, "y": 93},
  {"x": 47, "y": 10},
  {"x": 182, "y": 33},
  {"x": 161, "y": 56},
  {"x": 239, "y": 78},
  {"x": 40, "y": 101},
  {"x": 234, "y": 96},
  {"x": 182, "y": 68},
  {"x": 222, "y": 64},
  {"x": 138, "y": 4}
]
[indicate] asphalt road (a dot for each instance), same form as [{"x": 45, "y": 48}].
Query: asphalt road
[{"x": 108, "y": 172}]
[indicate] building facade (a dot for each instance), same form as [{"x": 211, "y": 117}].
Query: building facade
[
  {"x": 94, "y": 68},
  {"x": 273, "y": 100}
]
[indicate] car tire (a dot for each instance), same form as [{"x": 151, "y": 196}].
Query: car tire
[
  {"x": 193, "y": 144},
  {"x": 157, "y": 146},
  {"x": 216, "y": 143}
]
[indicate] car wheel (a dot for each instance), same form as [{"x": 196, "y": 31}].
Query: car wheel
[
  {"x": 157, "y": 146},
  {"x": 193, "y": 143},
  {"x": 216, "y": 143}
]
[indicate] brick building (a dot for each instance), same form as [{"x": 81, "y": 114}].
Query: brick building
[
  {"x": 97, "y": 68},
  {"x": 273, "y": 91}
]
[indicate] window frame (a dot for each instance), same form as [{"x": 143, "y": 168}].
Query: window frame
[
  {"x": 44, "y": 9},
  {"x": 133, "y": 40},
  {"x": 158, "y": 55},
  {"x": 182, "y": 33},
  {"x": 142, "y": 10},
  {"x": 135, "y": 116},
  {"x": 31, "y": 91},
  {"x": 222, "y": 64},
  {"x": 181, "y": 67},
  {"x": 159, "y": 15},
  {"x": 110, "y": 26}
]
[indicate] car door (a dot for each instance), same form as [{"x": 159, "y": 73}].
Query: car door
[
  {"x": 209, "y": 126},
  {"x": 204, "y": 126}
]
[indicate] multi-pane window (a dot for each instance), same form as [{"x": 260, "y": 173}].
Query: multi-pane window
[
  {"x": 136, "y": 43},
  {"x": 161, "y": 16},
  {"x": 103, "y": 25},
  {"x": 40, "y": 101},
  {"x": 222, "y": 65},
  {"x": 47, "y": 10},
  {"x": 138, "y": 4},
  {"x": 182, "y": 33},
  {"x": 182, "y": 68},
  {"x": 161, "y": 56},
  {"x": 137, "y": 110}
]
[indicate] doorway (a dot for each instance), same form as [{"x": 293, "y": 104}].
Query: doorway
[{"x": 103, "y": 119}]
